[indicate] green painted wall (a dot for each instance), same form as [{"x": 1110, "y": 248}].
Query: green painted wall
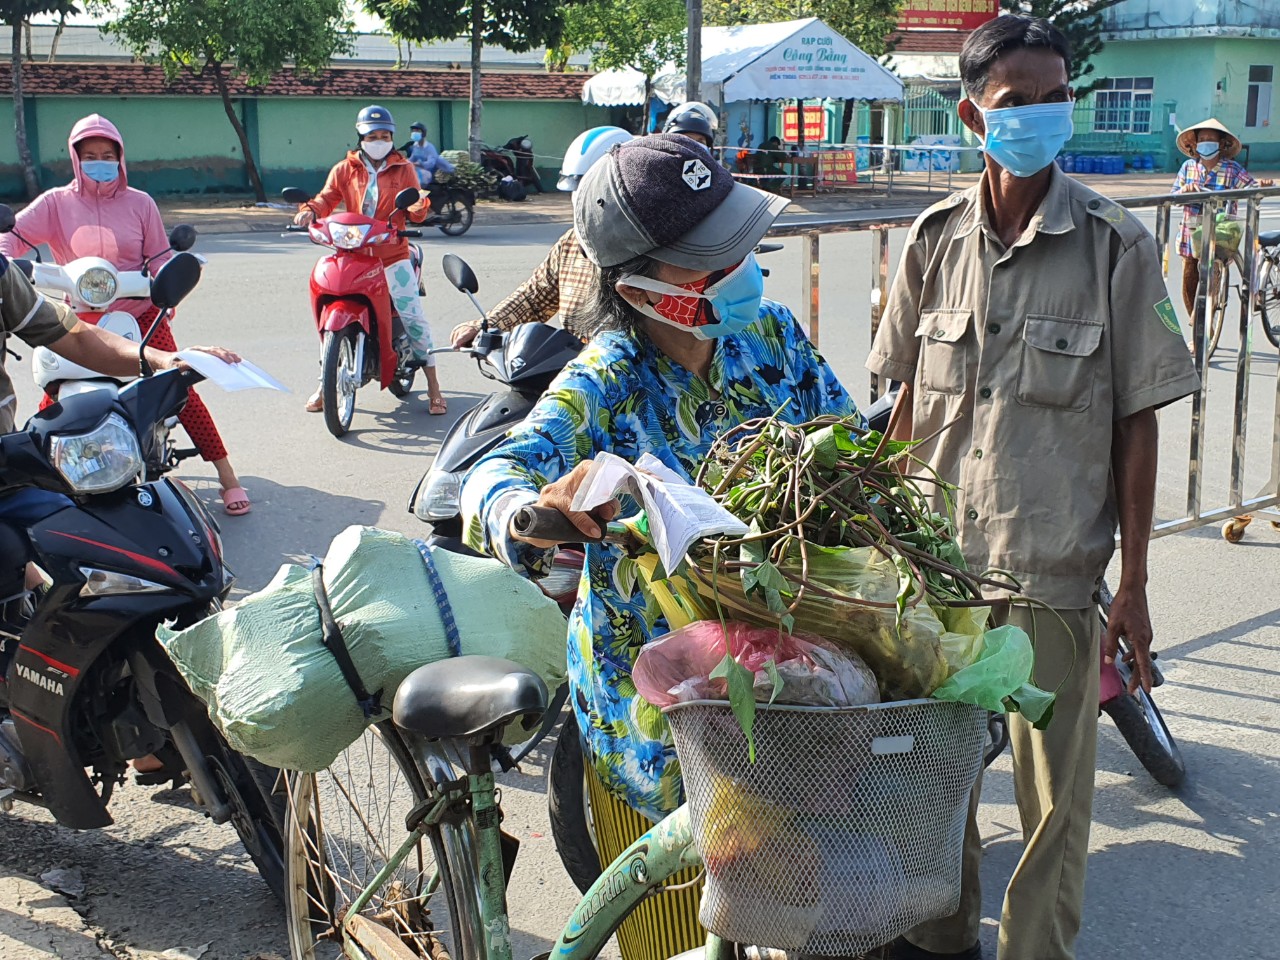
[
  {"x": 187, "y": 145},
  {"x": 1188, "y": 71}
]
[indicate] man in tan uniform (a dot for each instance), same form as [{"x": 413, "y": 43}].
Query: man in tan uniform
[{"x": 1030, "y": 314}]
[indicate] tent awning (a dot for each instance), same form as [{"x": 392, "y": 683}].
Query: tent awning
[{"x": 793, "y": 60}]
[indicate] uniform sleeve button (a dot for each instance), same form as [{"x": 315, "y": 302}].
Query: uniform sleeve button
[
  {"x": 1061, "y": 344},
  {"x": 985, "y": 393},
  {"x": 971, "y": 514},
  {"x": 1095, "y": 204}
]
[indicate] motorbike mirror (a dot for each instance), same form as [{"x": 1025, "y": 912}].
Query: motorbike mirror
[
  {"x": 182, "y": 237},
  {"x": 295, "y": 195},
  {"x": 7, "y": 219},
  {"x": 406, "y": 198},
  {"x": 459, "y": 273},
  {"x": 176, "y": 279}
]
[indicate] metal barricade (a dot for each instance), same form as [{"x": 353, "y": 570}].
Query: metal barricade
[{"x": 1211, "y": 203}]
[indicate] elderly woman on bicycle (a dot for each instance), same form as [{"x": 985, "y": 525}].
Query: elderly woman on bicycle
[{"x": 685, "y": 348}]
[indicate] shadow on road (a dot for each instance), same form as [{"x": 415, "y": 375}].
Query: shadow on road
[{"x": 409, "y": 427}]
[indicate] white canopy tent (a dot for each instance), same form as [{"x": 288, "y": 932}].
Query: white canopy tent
[{"x": 792, "y": 60}]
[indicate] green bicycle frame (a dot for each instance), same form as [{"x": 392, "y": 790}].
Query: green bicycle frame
[{"x": 638, "y": 873}]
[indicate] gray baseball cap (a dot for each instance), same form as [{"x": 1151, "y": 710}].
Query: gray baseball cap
[{"x": 666, "y": 197}]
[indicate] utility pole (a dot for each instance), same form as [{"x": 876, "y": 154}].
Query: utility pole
[{"x": 693, "y": 52}]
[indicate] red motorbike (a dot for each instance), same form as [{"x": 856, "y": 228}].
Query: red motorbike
[{"x": 351, "y": 303}]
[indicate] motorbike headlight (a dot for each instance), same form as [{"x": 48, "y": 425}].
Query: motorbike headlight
[
  {"x": 348, "y": 236},
  {"x": 441, "y": 497},
  {"x": 104, "y": 459},
  {"x": 96, "y": 286}
]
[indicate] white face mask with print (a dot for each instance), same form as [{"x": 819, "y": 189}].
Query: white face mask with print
[{"x": 376, "y": 149}]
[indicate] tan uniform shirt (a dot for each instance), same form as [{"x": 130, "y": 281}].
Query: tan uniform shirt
[
  {"x": 1034, "y": 351},
  {"x": 31, "y": 318},
  {"x": 563, "y": 283}
]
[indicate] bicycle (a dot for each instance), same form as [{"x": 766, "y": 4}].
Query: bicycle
[
  {"x": 1268, "y": 295},
  {"x": 1266, "y": 299},
  {"x": 396, "y": 852},
  {"x": 1217, "y": 298}
]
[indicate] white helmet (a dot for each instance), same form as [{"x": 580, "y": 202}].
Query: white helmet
[
  {"x": 588, "y": 147},
  {"x": 49, "y": 368}
]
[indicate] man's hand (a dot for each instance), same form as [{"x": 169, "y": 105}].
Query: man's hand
[
  {"x": 167, "y": 360},
  {"x": 463, "y": 335},
  {"x": 1129, "y": 618},
  {"x": 559, "y": 496},
  {"x": 304, "y": 217},
  {"x": 1266, "y": 183}
]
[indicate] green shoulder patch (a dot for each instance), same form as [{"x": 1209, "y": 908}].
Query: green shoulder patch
[{"x": 1168, "y": 316}]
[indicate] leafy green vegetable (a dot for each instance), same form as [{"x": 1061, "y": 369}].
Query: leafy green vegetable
[{"x": 742, "y": 696}]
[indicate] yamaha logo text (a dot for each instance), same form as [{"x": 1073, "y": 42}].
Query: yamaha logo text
[{"x": 40, "y": 680}]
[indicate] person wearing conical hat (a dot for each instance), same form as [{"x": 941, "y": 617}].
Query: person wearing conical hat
[{"x": 1212, "y": 149}]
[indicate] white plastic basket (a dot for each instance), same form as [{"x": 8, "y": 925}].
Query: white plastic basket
[{"x": 845, "y": 833}]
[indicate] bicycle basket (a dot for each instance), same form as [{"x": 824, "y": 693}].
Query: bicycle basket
[
  {"x": 1228, "y": 232},
  {"x": 846, "y": 832}
]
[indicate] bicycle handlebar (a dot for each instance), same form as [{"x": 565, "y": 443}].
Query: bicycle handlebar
[{"x": 547, "y": 523}]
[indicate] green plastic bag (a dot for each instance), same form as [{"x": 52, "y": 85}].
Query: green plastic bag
[
  {"x": 1228, "y": 231},
  {"x": 1000, "y": 678}
]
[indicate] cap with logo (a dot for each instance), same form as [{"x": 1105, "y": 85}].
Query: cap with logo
[{"x": 664, "y": 196}]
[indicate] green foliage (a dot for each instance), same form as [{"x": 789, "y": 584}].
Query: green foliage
[
  {"x": 17, "y": 11},
  {"x": 867, "y": 24},
  {"x": 1081, "y": 23},
  {"x": 254, "y": 39},
  {"x": 516, "y": 25},
  {"x": 468, "y": 175},
  {"x": 644, "y": 35}
]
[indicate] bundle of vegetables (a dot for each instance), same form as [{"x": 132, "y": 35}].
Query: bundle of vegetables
[
  {"x": 1228, "y": 231},
  {"x": 843, "y": 540}
]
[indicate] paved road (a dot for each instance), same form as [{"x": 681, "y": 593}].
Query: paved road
[{"x": 1182, "y": 876}]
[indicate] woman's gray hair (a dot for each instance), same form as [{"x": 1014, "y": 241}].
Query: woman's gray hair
[{"x": 606, "y": 309}]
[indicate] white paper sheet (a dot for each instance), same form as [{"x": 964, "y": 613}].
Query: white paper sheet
[
  {"x": 231, "y": 376},
  {"x": 679, "y": 514}
]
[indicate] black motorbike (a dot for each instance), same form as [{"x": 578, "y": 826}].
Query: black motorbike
[
  {"x": 513, "y": 159},
  {"x": 452, "y": 207},
  {"x": 524, "y": 361},
  {"x": 87, "y": 687}
]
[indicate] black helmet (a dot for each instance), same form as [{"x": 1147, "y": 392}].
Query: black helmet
[
  {"x": 373, "y": 118},
  {"x": 418, "y": 126},
  {"x": 692, "y": 118}
]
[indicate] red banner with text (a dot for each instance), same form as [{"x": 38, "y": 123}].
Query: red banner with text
[
  {"x": 815, "y": 124},
  {"x": 947, "y": 14}
]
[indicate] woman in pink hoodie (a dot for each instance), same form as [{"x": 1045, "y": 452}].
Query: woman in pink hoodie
[{"x": 99, "y": 215}]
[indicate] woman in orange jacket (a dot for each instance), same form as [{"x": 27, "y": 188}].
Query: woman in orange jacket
[{"x": 367, "y": 182}]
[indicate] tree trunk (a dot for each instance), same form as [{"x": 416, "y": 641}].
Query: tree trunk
[
  {"x": 693, "y": 52},
  {"x": 57, "y": 36},
  {"x": 29, "y": 177},
  {"x": 250, "y": 165},
  {"x": 847, "y": 122},
  {"x": 646, "y": 124},
  {"x": 26, "y": 29},
  {"x": 474, "y": 139}
]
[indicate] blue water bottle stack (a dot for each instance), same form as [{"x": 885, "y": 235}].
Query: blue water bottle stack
[{"x": 1110, "y": 164}]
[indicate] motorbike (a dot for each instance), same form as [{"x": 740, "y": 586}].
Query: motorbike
[
  {"x": 87, "y": 687},
  {"x": 92, "y": 286},
  {"x": 524, "y": 361},
  {"x": 452, "y": 208},
  {"x": 513, "y": 159},
  {"x": 351, "y": 305}
]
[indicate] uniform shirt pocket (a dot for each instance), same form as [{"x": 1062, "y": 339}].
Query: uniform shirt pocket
[
  {"x": 944, "y": 350},
  {"x": 1059, "y": 364}
]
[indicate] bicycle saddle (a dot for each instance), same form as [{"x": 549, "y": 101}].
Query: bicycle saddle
[
  {"x": 1270, "y": 238},
  {"x": 468, "y": 697}
]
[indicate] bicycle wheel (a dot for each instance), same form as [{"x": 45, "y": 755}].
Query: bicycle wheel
[
  {"x": 344, "y": 824},
  {"x": 1269, "y": 300},
  {"x": 1220, "y": 281}
]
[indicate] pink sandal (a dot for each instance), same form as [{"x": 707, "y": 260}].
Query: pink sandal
[{"x": 235, "y": 501}]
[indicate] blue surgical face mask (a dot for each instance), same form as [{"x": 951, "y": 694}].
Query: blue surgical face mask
[
  {"x": 415, "y": 135},
  {"x": 1208, "y": 148},
  {"x": 1025, "y": 140},
  {"x": 734, "y": 300},
  {"x": 101, "y": 171}
]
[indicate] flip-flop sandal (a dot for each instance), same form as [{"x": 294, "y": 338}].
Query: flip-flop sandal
[
  {"x": 439, "y": 407},
  {"x": 235, "y": 501},
  {"x": 315, "y": 404}
]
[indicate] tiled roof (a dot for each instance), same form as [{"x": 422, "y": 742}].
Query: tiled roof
[
  {"x": 134, "y": 80},
  {"x": 928, "y": 41}
]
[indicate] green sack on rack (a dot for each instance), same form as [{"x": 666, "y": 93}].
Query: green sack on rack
[
  {"x": 1228, "y": 232},
  {"x": 1000, "y": 678}
]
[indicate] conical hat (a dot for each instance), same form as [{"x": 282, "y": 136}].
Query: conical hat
[{"x": 1187, "y": 139}]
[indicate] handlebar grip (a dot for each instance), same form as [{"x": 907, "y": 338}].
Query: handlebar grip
[
  {"x": 546, "y": 523},
  {"x": 295, "y": 228},
  {"x": 411, "y": 234}
]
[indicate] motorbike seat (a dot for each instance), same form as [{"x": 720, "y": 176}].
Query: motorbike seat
[
  {"x": 471, "y": 697},
  {"x": 1269, "y": 239}
]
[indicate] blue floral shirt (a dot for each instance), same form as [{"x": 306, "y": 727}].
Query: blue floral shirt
[{"x": 623, "y": 396}]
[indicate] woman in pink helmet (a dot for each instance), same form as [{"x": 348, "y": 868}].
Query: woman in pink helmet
[{"x": 98, "y": 214}]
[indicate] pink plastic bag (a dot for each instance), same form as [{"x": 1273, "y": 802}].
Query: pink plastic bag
[{"x": 678, "y": 667}]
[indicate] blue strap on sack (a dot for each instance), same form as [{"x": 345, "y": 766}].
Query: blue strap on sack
[{"x": 451, "y": 635}]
